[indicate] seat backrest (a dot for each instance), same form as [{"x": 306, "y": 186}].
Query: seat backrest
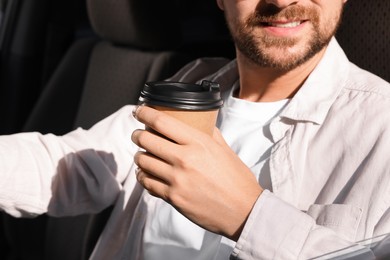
[
  {"x": 20, "y": 55},
  {"x": 34, "y": 35},
  {"x": 365, "y": 35},
  {"x": 99, "y": 76},
  {"x": 138, "y": 41}
]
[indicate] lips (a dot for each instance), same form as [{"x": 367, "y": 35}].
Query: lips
[
  {"x": 289, "y": 22},
  {"x": 283, "y": 24},
  {"x": 286, "y": 18}
]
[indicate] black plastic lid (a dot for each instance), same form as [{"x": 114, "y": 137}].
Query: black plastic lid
[{"x": 183, "y": 96}]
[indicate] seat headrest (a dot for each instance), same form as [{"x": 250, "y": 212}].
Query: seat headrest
[{"x": 145, "y": 24}]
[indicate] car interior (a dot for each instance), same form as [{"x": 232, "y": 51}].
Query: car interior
[{"x": 70, "y": 63}]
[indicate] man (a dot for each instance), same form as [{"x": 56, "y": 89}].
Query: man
[{"x": 297, "y": 169}]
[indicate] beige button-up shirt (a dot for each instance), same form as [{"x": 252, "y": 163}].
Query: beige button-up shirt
[{"x": 329, "y": 167}]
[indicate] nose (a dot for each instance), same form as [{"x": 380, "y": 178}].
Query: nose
[{"x": 281, "y": 3}]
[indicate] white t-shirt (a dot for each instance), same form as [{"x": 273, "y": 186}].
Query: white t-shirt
[{"x": 245, "y": 127}]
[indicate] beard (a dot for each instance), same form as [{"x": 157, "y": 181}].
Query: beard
[{"x": 290, "y": 53}]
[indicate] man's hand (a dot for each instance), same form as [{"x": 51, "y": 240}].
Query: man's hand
[{"x": 197, "y": 174}]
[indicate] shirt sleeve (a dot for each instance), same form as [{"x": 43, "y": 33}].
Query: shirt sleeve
[
  {"x": 80, "y": 172},
  {"x": 277, "y": 230}
]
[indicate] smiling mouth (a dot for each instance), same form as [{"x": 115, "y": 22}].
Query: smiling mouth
[{"x": 283, "y": 24}]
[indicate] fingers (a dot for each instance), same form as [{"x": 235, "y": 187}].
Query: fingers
[
  {"x": 164, "y": 124},
  {"x": 153, "y": 185},
  {"x": 154, "y": 166},
  {"x": 155, "y": 144}
]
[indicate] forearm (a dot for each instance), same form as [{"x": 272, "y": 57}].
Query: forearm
[{"x": 77, "y": 173}]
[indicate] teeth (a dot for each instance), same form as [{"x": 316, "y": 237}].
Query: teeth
[{"x": 285, "y": 25}]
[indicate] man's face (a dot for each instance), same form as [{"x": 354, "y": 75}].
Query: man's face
[{"x": 281, "y": 34}]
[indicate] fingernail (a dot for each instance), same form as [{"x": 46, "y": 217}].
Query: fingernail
[
  {"x": 137, "y": 170},
  {"x": 134, "y": 112}
]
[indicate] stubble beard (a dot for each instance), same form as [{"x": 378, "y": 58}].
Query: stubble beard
[{"x": 260, "y": 48}]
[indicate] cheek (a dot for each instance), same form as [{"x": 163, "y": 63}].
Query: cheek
[
  {"x": 234, "y": 16},
  {"x": 220, "y": 4},
  {"x": 240, "y": 9},
  {"x": 329, "y": 6},
  {"x": 330, "y": 15}
]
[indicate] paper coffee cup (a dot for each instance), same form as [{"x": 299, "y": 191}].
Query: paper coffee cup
[{"x": 194, "y": 104}]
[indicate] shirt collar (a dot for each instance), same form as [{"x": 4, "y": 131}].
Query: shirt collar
[{"x": 313, "y": 100}]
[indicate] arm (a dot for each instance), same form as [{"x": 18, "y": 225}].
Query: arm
[{"x": 77, "y": 173}]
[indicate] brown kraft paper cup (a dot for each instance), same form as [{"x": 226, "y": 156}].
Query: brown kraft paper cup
[
  {"x": 196, "y": 105},
  {"x": 201, "y": 120}
]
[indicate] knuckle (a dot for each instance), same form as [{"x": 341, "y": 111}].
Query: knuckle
[
  {"x": 186, "y": 160},
  {"x": 173, "y": 192},
  {"x": 179, "y": 160},
  {"x": 175, "y": 179},
  {"x": 174, "y": 198},
  {"x": 158, "y": 121}
]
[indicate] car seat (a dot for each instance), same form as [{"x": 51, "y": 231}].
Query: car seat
[
  {"x": 137, "y": 41},
  {"x": 34, "y": 35},
  {"x": 365, "y": 36}
]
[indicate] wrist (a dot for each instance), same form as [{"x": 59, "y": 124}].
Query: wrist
[{"x": 242, "y": 213}]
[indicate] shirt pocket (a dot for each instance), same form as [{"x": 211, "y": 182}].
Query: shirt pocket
[{"x": 342, "y": 218}]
